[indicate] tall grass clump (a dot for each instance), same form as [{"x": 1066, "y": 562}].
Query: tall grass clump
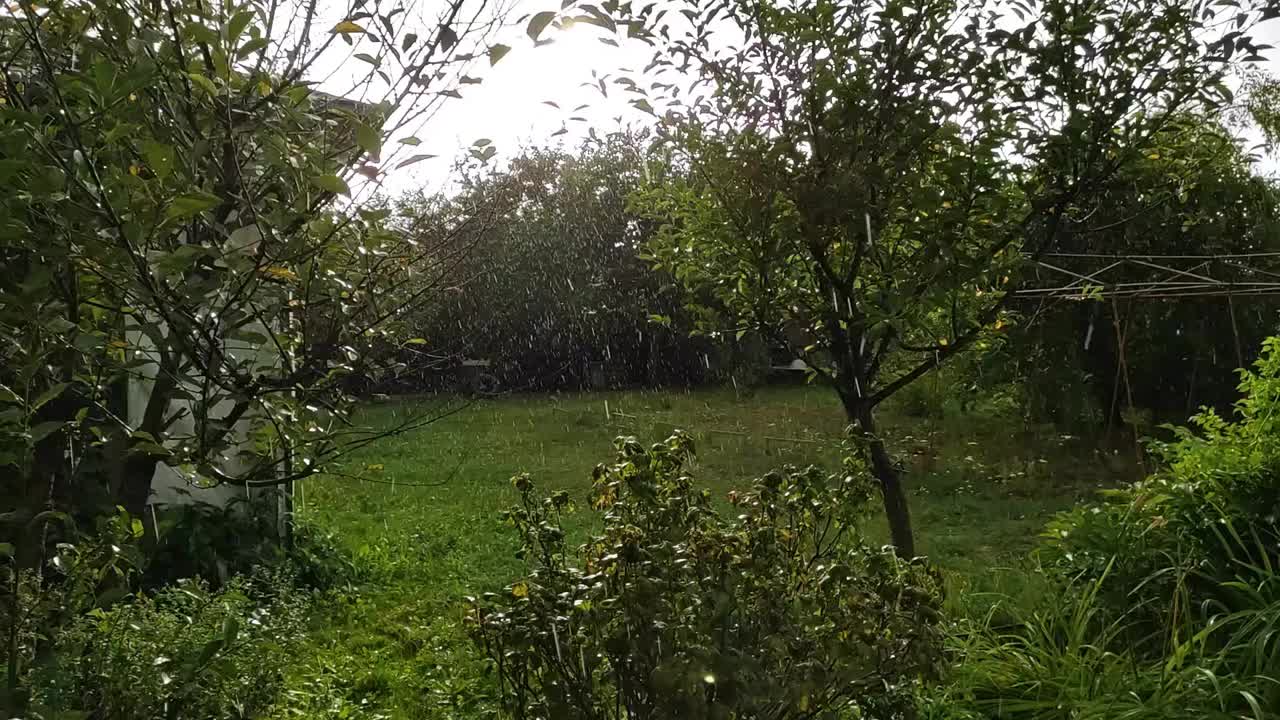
[{"x": 1166, "y": 600}]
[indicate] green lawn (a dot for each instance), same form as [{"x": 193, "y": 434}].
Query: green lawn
[{"x": 427, "y": 522}]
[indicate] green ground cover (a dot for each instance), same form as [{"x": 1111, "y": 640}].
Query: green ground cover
[{"x": 425, "y": 523}]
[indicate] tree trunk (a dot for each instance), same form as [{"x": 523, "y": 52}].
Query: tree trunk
[
  {"x": 135, "y": 487},
  {"x": 891, "y": 489},
  {"x": 134, "y": 491}
]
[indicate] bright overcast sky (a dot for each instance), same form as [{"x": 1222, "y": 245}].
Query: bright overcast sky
[
  {"x": 508, "y": 109},
  {"x": 508, "y": 106}
]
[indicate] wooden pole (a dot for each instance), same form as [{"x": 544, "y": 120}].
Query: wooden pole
[
  {"x": 1235, "y": 330},
  {"x": 1128, "y": 388}
]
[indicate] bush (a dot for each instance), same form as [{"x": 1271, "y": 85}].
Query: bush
[
  {"x": 1057, "y": 662},
  {"x": 1168, "y": 598},
  {"x": 37, "y": 602},
  {"x": 1173, "y": 543},
  {"x": 318, "y": 559},
  {"x": 81, "y": 641},
  {"x": 184, "y": 652},
  {"x": 215, "y": 544},
  {"x": 675, "y": 611}
]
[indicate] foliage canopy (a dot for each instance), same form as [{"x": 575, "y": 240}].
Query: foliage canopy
[
  {"x": 867, "y": 179},
  {"x": 674, "y": 610}
]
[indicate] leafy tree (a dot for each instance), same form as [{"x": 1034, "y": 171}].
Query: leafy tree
[
  {"x": 1194, "y": 192},
  {"x": 553, "y": 280},
  {"x": 172, "y": 229},
  {"x": 867, "y": 178},
  {"x": 1260, "y": 105}
]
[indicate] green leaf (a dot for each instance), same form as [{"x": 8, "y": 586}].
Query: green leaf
[
  {"x": 331, "y": 183},
  {"x": 111, "y": 596},
  {"x": 414, "y": 159},
  {"x": 49, "y": 516},
  {"x": 497, "y": 52},
  {"x": 597, "y": 18},
  {"x": 448, "y": 38},
  {"x": 230, "y": 629},
  {"x": 14, "y": 518},
  {"x": 149, "y": 448},
  {"x": 210, "y": 649},
  {"x": 408, "y": 41},
  {"x": 252, "y": 47},
  {"x": 377, "y": 215},
  {"x": 6, "y": 550},
  {"x": 8, "y": 395},
  {"x": 539, "y": 22},
  {"x": 243, "y": 239},
  {"x": 43, "y": 430},
  {"x": 369, "y": 139},
  {"x": 202, "y": 33},
  {"x": 159, "y": 158},
  {"x": 203, "y": 82},
  {"x": 415, "y": 341},
  {"x": 239, "y": 21},
  {"x": 366, "y": 57},
  {"x": 411, "y": 140},
  {"x": 185, "y": 206},
  {"x": 49, "y": 395}
]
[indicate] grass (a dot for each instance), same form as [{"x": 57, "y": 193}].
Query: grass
[{"x": 427, "y": 521}]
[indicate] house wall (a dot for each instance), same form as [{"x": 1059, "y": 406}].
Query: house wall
[{"x": 170, "y": 486}]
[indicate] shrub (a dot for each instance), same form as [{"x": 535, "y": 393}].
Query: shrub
[
  {"x": 213, "y": 542},
  {"x": 184, "y": 652},
  {"x": 1174, "y": 541},
  {"x": 78, "y": 641},
  {"x": 37, "y": 601},
  {"x": 1168, "y": 601},
  {"x": 318, "y": 559},
  {"x": 1057, "y": 662},
  {"x": 676, "y": 611}
]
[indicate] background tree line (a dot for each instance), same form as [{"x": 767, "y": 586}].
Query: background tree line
[
  {"x": 555, "y": 292},
  {"x": 563, "y": 278}
]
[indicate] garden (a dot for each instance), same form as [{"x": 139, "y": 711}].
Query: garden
[{"x": 884, "y": 360}]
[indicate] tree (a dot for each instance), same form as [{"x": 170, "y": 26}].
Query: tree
[
  {"x": 174, "y": 228},
  {"x": 1194, "y": 193},
  {"x": 555, "y": 281},
  {"x": 869, "y": 177}
]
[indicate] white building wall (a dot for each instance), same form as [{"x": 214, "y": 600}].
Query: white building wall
[{"x": 169, "y": 486}]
